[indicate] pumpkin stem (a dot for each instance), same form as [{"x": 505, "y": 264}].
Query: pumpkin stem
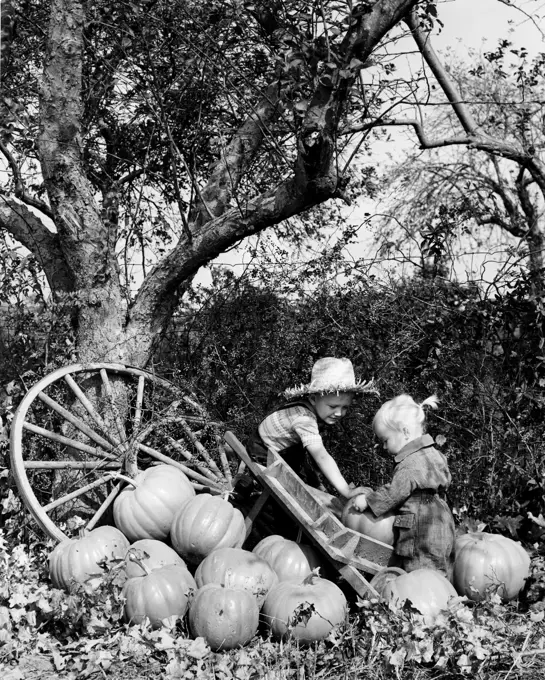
[
  {"x": 134, "y": 558},
  {"x": 314, "y": 574},
  {"x": 118, "y": 475}
]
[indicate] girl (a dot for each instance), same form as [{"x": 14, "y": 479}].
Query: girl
[{"x": 424, "y": 526}]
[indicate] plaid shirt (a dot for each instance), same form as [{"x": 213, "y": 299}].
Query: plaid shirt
[
  {"x": 424, "y": 526},
  {"x": 293, "y": 425}
]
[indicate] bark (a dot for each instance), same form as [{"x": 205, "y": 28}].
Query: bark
[
  {"x": 87, "y": 241},
  {"x": 30, "y": 231}
]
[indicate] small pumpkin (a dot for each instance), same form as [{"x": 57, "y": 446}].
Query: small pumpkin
[
  {"x": 159, "y": 595},
  {"x": 489, "y": 563},
  {"x": 291, "y": 561},
  {"x": 77, "y": 560},
  {"x": 427, "y": 589},
  {"x": 240, "y": 569},
  {"x": 380, "y": 528},
  {"x": 225, "y": 617},
  {"x": 307, "y": 611},
  {"x": 152, "y": 554},
  {"x": 146, "y": 510},
  {"x": 206, "y": 523}
]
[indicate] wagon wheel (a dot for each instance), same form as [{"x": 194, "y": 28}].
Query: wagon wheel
[{"x": 82, "y": 430}]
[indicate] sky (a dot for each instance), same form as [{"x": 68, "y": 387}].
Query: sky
[{"x": 467, "y": 24}]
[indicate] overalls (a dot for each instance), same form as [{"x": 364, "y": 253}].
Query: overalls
[{"x": 424, "y": 532}]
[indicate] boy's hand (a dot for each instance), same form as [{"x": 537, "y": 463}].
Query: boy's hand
[
  {"x": 359, "y": 503},
  {"x": 356, "y": 491}
]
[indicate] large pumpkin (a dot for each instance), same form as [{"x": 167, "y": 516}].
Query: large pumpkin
[
  {"x": 147, "y": 509},
  {"x": 150, "y": 554},
  {"x": 76, "y": 560},
  {"x": 291, "y": 561},
  {"x": 237, "y": 568},
  {"x": 427, "y": 589},
  {"x": 307, "y": 611},
  {"x": 162, "y": 593},
  {"x": 206, "y": 523},
  {"x": 380, "y": 528},
  {"x": 489, "y": 563},
  {"x": 225, "y": 617}
]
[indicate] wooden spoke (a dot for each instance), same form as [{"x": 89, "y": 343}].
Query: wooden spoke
[
  {"x": 223, "y": 458},
  {"x": 117, "y": 418},
  {"x": 86, "y": 403},
  {"x": 76, "y": 422},
  {"x": 169, "y": 461},
  {"x": 139, "y": 400},
  {"x": 74, "y": 464},
  {"x": 76, "y": 494},
  {"x": 61, "y": 439},
  {"x": 200, "y": 448},
  {"x": 177, "y": 446},
  {"x": 106, "y": 505}
]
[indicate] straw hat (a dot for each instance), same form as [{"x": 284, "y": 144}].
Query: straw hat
[{"x": 330, "y": 375}]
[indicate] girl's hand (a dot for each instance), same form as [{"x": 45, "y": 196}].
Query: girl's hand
[{"x": 359, "y": 503}]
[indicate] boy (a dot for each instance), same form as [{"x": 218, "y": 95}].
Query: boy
[{"x": 292, "y": 431}]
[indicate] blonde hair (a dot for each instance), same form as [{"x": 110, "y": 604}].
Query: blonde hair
[{"x": 403, "y": 410}]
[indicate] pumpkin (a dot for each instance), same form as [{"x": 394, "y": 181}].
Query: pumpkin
[
  {"x": 206, "y": 523},
  {"x": 158, "y": 595},
  {"x": 146, "y": 510},
  {"x": 76, "y": 560},
  {"x": 151, "y": 553},
  {"x": 225, "y": 617},
  {"x": 291, "y": 561},
  {"x": 239, "y": 569},
  {"x": 380, "y": 528},
  {"x": 489, "y": 563},
  {"x": 307, "y": 611},
  {"x": 427, "y": 589}
]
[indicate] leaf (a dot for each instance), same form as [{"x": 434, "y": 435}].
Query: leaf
[{"x": 198, "y": 649}]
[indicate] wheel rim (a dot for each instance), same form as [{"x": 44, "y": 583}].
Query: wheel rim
[{"x": 74, "y": 464}]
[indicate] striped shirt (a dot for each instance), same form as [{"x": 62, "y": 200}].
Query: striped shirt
[{"x": 289, "y": 426}]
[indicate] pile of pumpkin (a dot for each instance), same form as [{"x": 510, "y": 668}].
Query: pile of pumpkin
[
  {"x": 223, "y": 589},
  {"x": 226, "y": 590}
]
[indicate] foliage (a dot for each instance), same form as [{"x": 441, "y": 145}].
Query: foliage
[
  {"x": 47, "y": 631},
  {"x": 482, "y": 356}
]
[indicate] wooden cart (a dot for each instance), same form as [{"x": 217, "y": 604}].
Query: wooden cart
[
  {"x": 80, "y": 431},
  {"x": 352, "y": 554}
]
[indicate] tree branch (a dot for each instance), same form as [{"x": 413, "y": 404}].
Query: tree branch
[{"x": 30, "y": 231}]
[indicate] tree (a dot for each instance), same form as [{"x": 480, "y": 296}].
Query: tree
[
  {"x": 484, "y": 190},
  {"x": 233, "y": 117}
]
